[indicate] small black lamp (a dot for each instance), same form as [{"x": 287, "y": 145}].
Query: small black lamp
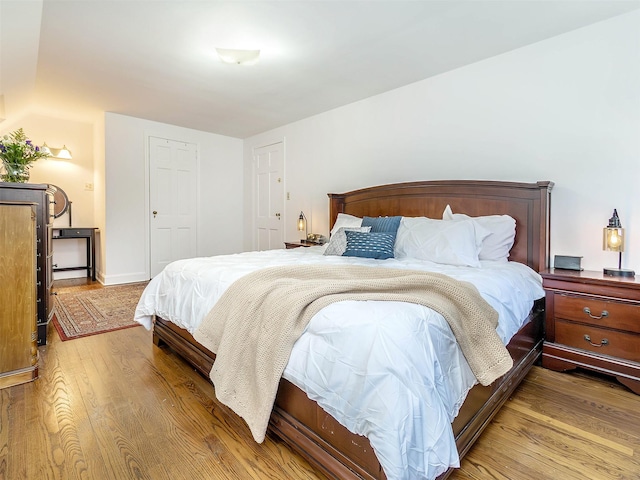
[
  {"x": 302, "y": 225},
  {"x": 613, "y": 241}
]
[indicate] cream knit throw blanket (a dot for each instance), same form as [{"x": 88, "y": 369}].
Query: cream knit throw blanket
[{"x": 254, "y": 324}]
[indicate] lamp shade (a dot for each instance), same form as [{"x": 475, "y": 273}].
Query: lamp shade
[
  {"x": 64, "y": 153},
  {"x": 302, "y": 222},
  {"x": 45, "y": 149},
  {"x": 613, "y": 239}
]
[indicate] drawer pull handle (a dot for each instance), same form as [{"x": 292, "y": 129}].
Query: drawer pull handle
[
  {"x": 601, "y": 344},
  {"x": 602, "y": 315}
]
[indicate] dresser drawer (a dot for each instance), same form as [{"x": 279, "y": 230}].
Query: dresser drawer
[
  {"x": 599, "y": 340},
  {"x": 618, "y": 315}
]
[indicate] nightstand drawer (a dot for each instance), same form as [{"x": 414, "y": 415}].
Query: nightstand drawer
[
  {"x": 621, "y": 316},
  {"x": 74, "y": 232},
  {"x": 599, "y": 340}
]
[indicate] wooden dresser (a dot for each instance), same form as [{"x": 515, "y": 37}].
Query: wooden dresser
[
  {"x": 593, "y": 322},
  {"x": 42, "y": 196},
  {"x": 18, "y": 337}
]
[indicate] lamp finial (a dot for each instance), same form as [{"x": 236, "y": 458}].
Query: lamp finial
[{"x": 614, "y": 221}]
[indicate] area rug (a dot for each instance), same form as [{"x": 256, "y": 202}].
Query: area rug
[{"x": 90, "y": 312}]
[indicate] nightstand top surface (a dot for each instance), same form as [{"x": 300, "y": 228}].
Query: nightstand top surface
[
  {"x": 588, "y": 276},
  {"x": 592, "y": 283}
]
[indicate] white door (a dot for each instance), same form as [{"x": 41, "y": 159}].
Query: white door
[
  {"x": 269, "y": 194},
  {"x": 172, "y": 201}
]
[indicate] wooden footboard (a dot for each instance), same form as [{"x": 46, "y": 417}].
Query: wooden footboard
[{"x": 330, "y": 447}]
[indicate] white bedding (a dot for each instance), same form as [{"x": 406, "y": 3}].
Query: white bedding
[{"x": 390, "y": 371}]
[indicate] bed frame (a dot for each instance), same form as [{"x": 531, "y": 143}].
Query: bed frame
[{"x": 317, "y": 436}]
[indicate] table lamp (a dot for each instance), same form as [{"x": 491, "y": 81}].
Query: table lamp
[
  {"x": 613, "y": 241},
  {"x": 302, "y": 225}
]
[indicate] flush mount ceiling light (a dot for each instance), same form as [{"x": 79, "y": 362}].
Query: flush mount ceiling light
[{"x": 238, "y": 57}]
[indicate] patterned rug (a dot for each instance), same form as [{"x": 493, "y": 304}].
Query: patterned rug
[{"x": 89, "y": 312}]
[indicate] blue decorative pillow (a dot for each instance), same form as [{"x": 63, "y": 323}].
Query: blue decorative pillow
[
  {"x": 382, "y": 224},
  {"x": 338, "y": 243},
  {"x": 370, "y": 244}
]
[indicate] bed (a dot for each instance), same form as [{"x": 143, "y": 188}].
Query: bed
[{"x": 318, "y": 436}]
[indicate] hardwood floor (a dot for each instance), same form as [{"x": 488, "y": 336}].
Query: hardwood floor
[
  {"x": 114, "y": 406},
  {"x": 560, "y": 426}
]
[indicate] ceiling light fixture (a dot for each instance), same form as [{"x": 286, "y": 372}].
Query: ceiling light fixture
[{"x": 238, "y": 57}]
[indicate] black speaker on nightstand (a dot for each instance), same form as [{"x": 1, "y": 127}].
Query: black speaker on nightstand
[{"x": 565, "y": 262}]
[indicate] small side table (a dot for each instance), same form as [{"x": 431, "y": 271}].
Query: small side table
[
  {"x": 88, "y": 233},
  {"x": 593, "y": 322}
]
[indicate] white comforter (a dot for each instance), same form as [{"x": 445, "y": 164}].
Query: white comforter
[{"x": 387, "y": 370}]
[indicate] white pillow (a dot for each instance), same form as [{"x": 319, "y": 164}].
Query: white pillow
[
  {"x": 345, "y": 220},
  {"x": 451, "y": 243},
  {"x": 502, "y": 233},
  {"x": 338, "y": 242}
]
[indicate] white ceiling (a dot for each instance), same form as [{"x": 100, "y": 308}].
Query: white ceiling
[{"x": 156, "y": 60}]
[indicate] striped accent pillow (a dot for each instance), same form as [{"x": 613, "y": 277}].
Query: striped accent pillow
[
  {"x": 382, "y": 224},
  {"x": 377, "y": 245}
]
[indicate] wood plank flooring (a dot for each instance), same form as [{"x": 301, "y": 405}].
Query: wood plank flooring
[{"x": 114, "y": 406}]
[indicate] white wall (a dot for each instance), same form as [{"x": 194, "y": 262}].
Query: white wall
[
  {"x": 125, "y": 237},
  {"x": 566, "y": 109}
]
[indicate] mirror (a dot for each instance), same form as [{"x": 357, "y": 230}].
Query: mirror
[{"x": 61, "y": 202}]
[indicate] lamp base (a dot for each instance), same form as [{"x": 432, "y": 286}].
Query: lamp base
[{"x": 619, "y": 272}]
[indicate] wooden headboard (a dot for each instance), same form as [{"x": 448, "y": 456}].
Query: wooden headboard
[{"x": 527, "y": 203}]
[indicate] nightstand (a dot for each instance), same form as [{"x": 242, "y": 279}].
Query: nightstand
[
  {"x": 593, "y": 321},
  {"x": 301, "y": 243}
]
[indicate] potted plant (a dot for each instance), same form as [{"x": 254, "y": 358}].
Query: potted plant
[{"x": 17, "y": 153}]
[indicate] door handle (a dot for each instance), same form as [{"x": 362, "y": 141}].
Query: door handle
[
  {"x": 278, "y": 215},
  {"x": 155, "y": 212}
]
